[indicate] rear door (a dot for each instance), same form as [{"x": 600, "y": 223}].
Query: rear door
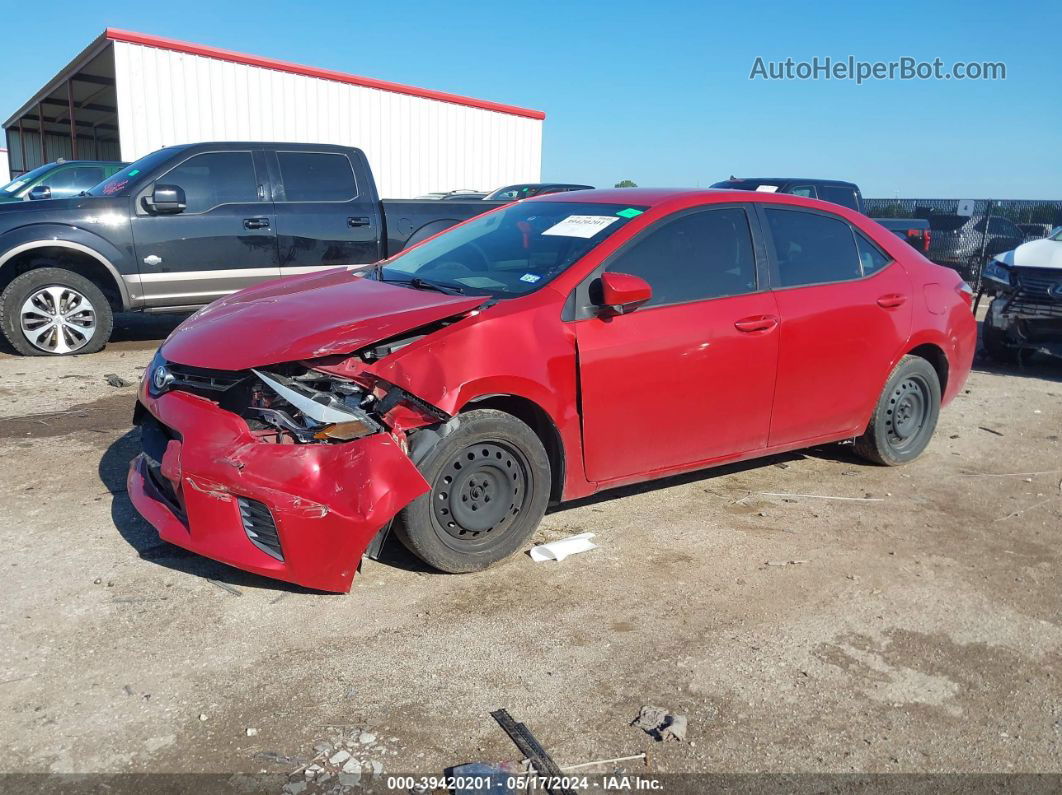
[
  {"x": 324, "y": 217},
  {"x": 689, "y": 376},
  {"x": 845, "y": 310},
  {"x": 223, "y": 241}
]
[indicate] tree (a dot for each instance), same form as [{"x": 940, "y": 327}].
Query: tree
[{"x": 626, "y": 183}]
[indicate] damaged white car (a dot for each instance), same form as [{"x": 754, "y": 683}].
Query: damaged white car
[{"x": 1026, "y": 315}]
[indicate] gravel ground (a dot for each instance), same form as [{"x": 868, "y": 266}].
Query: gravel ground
[{"x": 917, "y": 630}]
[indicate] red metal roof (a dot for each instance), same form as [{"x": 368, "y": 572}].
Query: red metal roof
[{"x": 308, "y": 71}]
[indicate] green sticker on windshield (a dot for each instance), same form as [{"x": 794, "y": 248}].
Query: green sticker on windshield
[
  {"x": 134, "y": 172},
  {"x": 630, "y": 212}
]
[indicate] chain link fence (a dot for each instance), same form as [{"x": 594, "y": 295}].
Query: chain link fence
[{"x": 967, "y": 242}]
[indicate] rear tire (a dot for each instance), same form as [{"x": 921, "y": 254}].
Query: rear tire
[
  {"x": 490, "y": 482},
  {"x": 55, "y": 312},
  {"x": 905, "y": 416}
]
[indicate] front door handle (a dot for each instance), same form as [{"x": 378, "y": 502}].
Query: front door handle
[
  {"x": 358, "y": 220},
  {"x": 255, "y": 223},
  {"x": 756, "y": 323},
  {"x": 892, "y": 301}
]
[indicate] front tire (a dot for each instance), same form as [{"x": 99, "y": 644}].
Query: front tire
[
  {"x": 490, "y": 483},
  {"x": 55, "y": 312},
  {"x": 905, "y": 416}
]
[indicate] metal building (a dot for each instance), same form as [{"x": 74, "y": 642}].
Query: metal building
[{"x": 128, "y": 94}]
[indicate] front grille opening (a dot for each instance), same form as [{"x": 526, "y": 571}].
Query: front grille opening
[{"x": 259, "y": 525}]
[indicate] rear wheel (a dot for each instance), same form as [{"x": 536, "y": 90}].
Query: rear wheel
[
  {"x": 905, "y": 416},
  {"x": 55, "y": 312},
  {"x": 490, "y": 482}
]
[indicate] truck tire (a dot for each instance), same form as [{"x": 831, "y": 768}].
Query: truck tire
[
  {"x": 55, "y": 312},
  {"x": 905, "y": 416},
  {"x": 490, "y": 482}
]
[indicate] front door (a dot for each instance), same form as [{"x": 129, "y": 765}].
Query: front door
[
  {"x": 223, "y": 241},
  {"x": 688, "y": 377},
  {"x": 845, "y": 311},
  {"x": 325, "y": 218}
]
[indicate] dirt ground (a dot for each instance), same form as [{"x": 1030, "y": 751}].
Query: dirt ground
[{"x": 918, "y": 629}]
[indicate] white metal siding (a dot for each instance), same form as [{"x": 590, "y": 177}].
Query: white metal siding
[{"x": 415, "y": 145}]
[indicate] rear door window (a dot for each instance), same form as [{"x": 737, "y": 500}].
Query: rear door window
[
  {"x": 317, "y": 177},
  {"x": 697, "y": 256},
  {"x": 811, "y": 248},
  {"x": 871, "y": 258},
  {"x": 807, "y": 191},
  {"x": 839, "y": 194}
]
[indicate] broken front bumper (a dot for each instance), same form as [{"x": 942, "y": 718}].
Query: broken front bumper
[{"x": 301, "y": 513}]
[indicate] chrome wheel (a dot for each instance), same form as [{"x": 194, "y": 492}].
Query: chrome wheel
[{"x": 58, "y": 319}]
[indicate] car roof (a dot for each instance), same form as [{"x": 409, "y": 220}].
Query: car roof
[
  {"x": 652, "y": 197},
  {"x": 798, "y": 180}
]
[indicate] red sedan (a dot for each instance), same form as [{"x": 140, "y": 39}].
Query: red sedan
[{"x": 547, "y": 350}]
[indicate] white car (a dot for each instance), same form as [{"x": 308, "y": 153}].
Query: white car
[{"x": 1026, "y": 314}]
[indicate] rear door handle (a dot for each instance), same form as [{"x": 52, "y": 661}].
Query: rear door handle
[
  {"x": 756, "y": 323},
  {"x": 255, "y": 223},
  {"x": 892, "y": 301},
  {"x": 358, "y": 220}
]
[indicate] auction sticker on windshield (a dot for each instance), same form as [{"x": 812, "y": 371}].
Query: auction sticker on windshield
[{"x": 581, "y": 225}]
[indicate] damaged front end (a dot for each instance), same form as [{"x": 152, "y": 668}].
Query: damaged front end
[
  {"x": 1026, "y": 315},
  {"x": 285, "y": 470}
]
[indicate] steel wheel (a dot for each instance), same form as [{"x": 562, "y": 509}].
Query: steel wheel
[
  {"x": 58, "y": 319},
  {"x": 907, "y": 412},
  {"x": 480, "y": 491}
]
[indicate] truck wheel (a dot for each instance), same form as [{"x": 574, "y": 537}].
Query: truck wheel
[
  {"x": 995, "y": 342},
  {"x": 54, "y": 312},
  {"x": 906, "y": 415},
  {"x": 490, "y": 482}
]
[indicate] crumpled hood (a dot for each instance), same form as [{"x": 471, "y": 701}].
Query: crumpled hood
[
  {"x": 305, "y": 317},
  {"x": 1034, "y": 254}
]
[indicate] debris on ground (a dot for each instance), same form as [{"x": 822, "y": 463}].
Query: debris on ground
[
  {"x": 660, "y": 724},
  {"x": 559, "y": 550},
  {"x": 532, "y": 749},
  {"x": 784, "y": 562},
  {"x": 990, "y": 430},
  {"x": 116, "y": 380},
  {"x": 820, "y": 497},
  {"x": 251, "y": 731},
  {"x": 474, "y": 775},
  {"x": 343, "y": 759}
]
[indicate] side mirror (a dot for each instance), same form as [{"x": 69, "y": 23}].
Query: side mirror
[
  {"x": 167, "y": 199},
  {"x": 622, "y": 292},
  {"x": 40, "y": 192}
]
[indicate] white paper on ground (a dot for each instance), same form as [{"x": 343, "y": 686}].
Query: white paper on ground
[{"x": 559, "y": 550}]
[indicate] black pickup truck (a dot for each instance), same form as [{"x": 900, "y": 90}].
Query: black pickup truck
[
  {"x": 914, "y": 230},
  {"x": 188, "y": 224}
]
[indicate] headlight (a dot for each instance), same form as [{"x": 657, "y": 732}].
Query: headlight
[
  {"x": 998, "y": 272},
  {"x": 158, "y": 375}
]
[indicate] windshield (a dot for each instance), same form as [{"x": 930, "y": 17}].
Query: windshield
[
  {"x": 29, "y": 177},
  {"x": 120, "y": 183},
  {"x": 512, "y": 251}
]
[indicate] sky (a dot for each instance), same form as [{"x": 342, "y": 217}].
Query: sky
[{"x": 660, "y": 93}]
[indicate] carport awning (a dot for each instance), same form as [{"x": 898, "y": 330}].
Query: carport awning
[{"x": 74, "y": 116}]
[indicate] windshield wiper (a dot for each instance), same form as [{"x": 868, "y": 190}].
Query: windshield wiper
[{"x": 424, "y": 284}]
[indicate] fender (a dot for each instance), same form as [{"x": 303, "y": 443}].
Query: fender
[{"x": 120, "y": 264}]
